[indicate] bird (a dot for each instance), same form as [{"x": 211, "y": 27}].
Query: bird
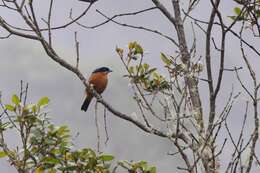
[{"x": 99, "y": 80}]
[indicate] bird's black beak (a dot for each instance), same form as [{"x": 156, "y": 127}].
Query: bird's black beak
[{"x": 110, "y": 71}]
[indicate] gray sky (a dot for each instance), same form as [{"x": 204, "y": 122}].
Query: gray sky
[{"x": 25, "y": 60}]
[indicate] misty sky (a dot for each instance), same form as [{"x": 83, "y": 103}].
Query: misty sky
[{"x": 25, "y": 60}]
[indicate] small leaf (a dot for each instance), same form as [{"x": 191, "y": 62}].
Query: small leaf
[
  {"x": 6, "y": 125},
  {"x": 143, "y": 164},
  {"x": 131, "y": 70},
  {"x": 29, "y": 106},
  {"x": 156, "y": 75},
  {"x": 43, "y": 101},
  {"x": 152, "y": 170},
  {"x": 166, "y": 60},
  {"x": 131, "y": 45},
  {"x": 63, "y": 131},
  {"x": 38, "y": 170},
  {"x": 138, "y": 49},
  {"x": 52, "y": 170},
  {"x": 146, "y": 66},
  {"x": 9, "y": 107},
  {"x": 34, "y": 109},
  {"x": 135, "y": 48},
  {"x": 237, "y": 10},
  {"x": 106, "y": 157},
  {"x": 120, "y": 52},
  {"x": 140, "y": 69},
  {"x": 15, "y": 99},
  {"x": 151, "y": 70},
  {"x": 232, "y": 17},
  {"x": 51, "y": 160},
  {"x": 257, "y": 13},
  {"x": 2, "y": 154}
]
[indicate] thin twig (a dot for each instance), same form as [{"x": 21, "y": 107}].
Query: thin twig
[
  {"x": 97, "y": 127},
  {"x": 105, "y": 122},
  {"x": 77, "y": 49}
]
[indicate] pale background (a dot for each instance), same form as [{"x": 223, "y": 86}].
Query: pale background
[{"x": 25, "y": 60}]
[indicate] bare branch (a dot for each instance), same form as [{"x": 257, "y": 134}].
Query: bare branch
[
  {"x": 164, "y": 10},
  {"x": 97, "y": 127},
  {"x": 114, "y": 17},
  {"x": 139, "y": 27},
  {"x": 77, "y": 49}
]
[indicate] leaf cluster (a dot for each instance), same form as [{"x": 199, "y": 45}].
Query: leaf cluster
[
  {"x": 247, "y": 11},
  {"x": 137, "y": 167},
  {"x": 140, "y": 72},
  {"x": 47, "y": 148}
]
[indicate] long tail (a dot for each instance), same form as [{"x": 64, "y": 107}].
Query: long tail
[{"x": 86, "y": 103}]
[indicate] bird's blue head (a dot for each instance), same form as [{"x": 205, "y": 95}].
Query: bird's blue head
[{"x": 102, "y": 69}]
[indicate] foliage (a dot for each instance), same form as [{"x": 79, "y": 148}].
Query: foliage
[
  {"x": 149, "y": 78},
  {"x": 141, "y": 166},
  {"x": 47, "y": 148},
  {"x": 247, "y": 11},
  {"x": 140, "y": 72}
]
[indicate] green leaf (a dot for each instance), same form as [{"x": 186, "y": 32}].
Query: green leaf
[
  {"x": 146, "y": 66},
  {"x": 106, "y": 157},
  {"x": 152, "y": 170},
  {"x": 232, "y": 17},
  {"x": 257, "y": 13},
  {"x": 51, "y": 160},
  {"x": 237, "y": 10},
  {"x": 139, "y": 49},
  {"x": 151, "y": 71},
  {"x": 131, "y": 70},
  {"x": 140, "y": 69},
  {"x": 143, "y": 164},
  {"x": 63, "y": 131},
  {"x": 166, "y": 60},
  {"x": 43, "y": 101},
  {"x": 2, "y": 154},
  {"x": 136, "y": 47},
  {"x": 15, "y": 99},
  {"x": 156, "y": 75},
  {"x": 52, "y": 170},
  {"x": 34, "y": 109},
  {"x": 29, "y": 106},
  {"x": 5, "y": 125},
  {"x": 38, "y": 170},
  {"x": 9, "y": 107},
  {"x": 131, "y": 45}
]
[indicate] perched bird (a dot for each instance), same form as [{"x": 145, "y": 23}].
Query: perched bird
[{"x": 99, "y": 80}]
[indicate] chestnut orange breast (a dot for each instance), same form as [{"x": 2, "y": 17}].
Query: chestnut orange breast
[{"x": 99, "y": 80}]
